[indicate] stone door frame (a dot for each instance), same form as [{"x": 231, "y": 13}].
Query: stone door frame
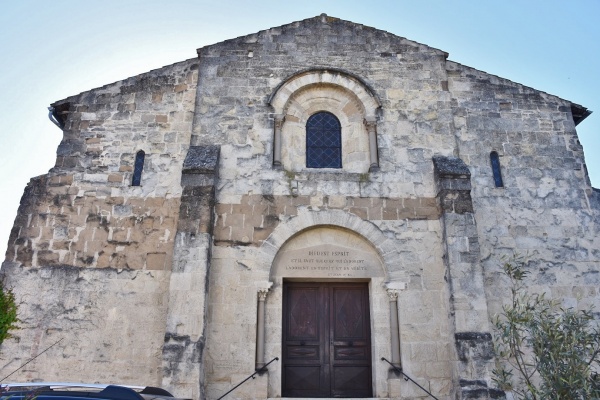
[{"x": 378, "y": 289}]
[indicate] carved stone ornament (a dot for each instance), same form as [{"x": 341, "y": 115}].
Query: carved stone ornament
[
  {"x": 262, "y": 294},
  {"x": 392, "y": 294},
  {"x": 371, "y": 124}
]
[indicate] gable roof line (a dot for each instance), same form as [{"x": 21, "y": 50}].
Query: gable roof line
[
  {"x": 120, "y": 81},
  {"x": 579, "y": 112},
  {"x": 324, "y": 19}
]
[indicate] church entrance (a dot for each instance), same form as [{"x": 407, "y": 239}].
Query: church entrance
[{"x": 326, "y": 340}]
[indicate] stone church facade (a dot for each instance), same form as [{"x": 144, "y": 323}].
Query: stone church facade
[{"x": 323, "y": 193}]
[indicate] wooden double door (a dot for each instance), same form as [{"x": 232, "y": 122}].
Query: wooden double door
[{"x": 326, "y": 340}]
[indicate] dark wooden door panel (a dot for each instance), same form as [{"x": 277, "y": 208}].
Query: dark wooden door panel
[
  {"x": 303, "y": 314},
  {"x": 351, "y": 350},
  {"x": 348, "y": 316},
  {"x": 305, "y": 352},
  {"x": 303, "y": 381},
  {"x": 351, "y": 381},
  {"x": 326, "y": 340}
]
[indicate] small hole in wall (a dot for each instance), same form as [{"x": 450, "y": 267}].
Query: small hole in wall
[{"x": 250, "y": 54}]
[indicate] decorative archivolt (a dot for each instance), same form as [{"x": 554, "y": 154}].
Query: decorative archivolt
[
  {"x": 306, "y": 220},
  {"x": 280, "y": 98},
  {"x": 306, "y": 90}
]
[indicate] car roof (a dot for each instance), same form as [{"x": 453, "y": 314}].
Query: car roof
[{"x": 73, "y": 391}]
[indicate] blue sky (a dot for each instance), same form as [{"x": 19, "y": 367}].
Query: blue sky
[{"x": 51, "y": 50}]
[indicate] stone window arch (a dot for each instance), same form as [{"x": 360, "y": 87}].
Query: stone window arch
[{"x": 346, "y": 97}]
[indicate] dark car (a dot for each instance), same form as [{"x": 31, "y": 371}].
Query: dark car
[{"x": 78, "y": 391}]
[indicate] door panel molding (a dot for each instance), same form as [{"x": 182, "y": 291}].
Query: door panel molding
[{"x": 326, "y": 340}]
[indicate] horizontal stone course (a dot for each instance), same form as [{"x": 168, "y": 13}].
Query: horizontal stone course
[{"x": 252, "y": 220}]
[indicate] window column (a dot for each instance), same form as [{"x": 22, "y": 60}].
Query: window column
[
  {"x": 278, "y": 125},
  {"x": 371, "y": 124},
  {"x": 260, "y": 329},
  {"x": 394, "y": 327}
]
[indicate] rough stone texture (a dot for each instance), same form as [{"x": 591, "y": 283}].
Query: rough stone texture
[
  {"x": 468, "y": 305},
  {"x": 85, "y": 219},
  {"x": 450, "y": 167},
  {"x": 212, "y": 213},
  {"x": 85, "y": 212},
  {"x": 251, "y": 221},
  {"x": 85, "y": 308},
  {"x": 183, "y": 351},
  {"x": 201, "y": 160},
  {"x": 546, "y": 210}
]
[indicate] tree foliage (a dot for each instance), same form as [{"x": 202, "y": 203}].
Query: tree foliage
[
  {"x": 8, "y": 312},
  {"x": 544, "y": 351}
]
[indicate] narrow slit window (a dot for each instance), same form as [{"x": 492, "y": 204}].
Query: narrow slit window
[
  {"x": 138, "y": 168},
  {"x": 323, "y": 141},
  {"x": 495, "y": 161}
]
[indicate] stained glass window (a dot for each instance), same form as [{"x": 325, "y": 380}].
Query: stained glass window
[
  {"x": 138, "y": 168},
  {"x": 495, "y": 161},
  {"x": 323, "y": 141}
]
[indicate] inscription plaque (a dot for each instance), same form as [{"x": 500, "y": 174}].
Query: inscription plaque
[{"x": 328, "y": 261}]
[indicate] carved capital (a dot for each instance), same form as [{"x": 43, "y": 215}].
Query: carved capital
[
  {"x": 392, "y": 294},
  {"x": 262, "y": 294},
  {"x": 279, "y": 120},
  {"x": 371, "y": 124}
]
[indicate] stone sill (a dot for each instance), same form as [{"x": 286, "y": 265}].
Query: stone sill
[{"x": 329, "y": 176}]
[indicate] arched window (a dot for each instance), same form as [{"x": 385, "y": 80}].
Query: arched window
[
  {"x": 495, "y": 161},
  {"x": 138, "y": 168},
  {"x": 323, "y": 141}
]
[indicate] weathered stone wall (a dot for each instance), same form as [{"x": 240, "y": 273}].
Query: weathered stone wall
[
  {"x": 177, "y": 262},
  {"x": 90, "y": 255},
  {"x": 544, "y": 211},
  {"x": 110, "y": 324},
  {"x": 236, "y": 80},
  {"x": 413, "y": 258},
  {"x": 470, "y": 325},
  {"x": 85, "y": 211},
  {"x": 251, "y": 220},
  {"x": 415, "y": 122},
  {"x": 185, "y": 333},
  {"x": 237, "y": 77}
]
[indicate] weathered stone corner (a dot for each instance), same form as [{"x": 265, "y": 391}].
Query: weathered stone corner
[
  {"x": 200, "y": 172},
  {"x": 453, "y": 180}
]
